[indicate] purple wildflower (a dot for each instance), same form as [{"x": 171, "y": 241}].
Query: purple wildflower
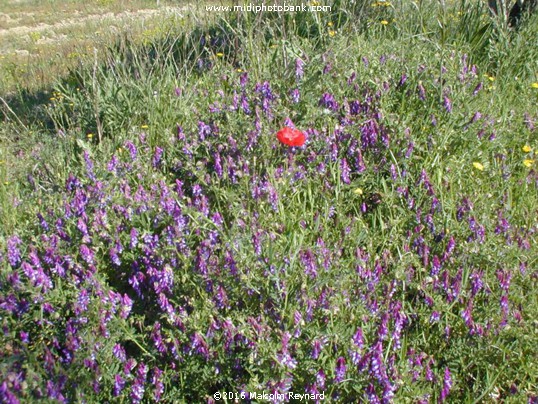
[
  {"x": 477, "y": 115},
  {"x": 286, "y": 360},
  {"x": 320, "y": 379},
  {"x": 119, "y": 352},
  {"x": 87, "y": 254},
  {"x": 25, "y": 337},
  {"x": 126, "y": 305},
  {"x": 421, "y": 91},
  {"x": 119, "y": 384},
  {"x": 157, "y": 157},
  {"x": 243, "y": 80},
  {"x": 466, "y": 314},
  {"x": 309, "y": 262},
  {"x": 113, "y": 253},
  {"x": 340, "y": 370},
  {"x": 132, "y": 149},
  {"x": 129, "y": 366},
  {"x": 382, "y": 330},
  {"x": 157, "y": 382},
  {"x": 113, "y": 163},
  {"x": 134, "y": 238},
  {"x": 203, "y": 130},
  {"x": 447, "y": 386},
  {"x": 344, "y": 168},
  {"x": 369, "y": 133},
  {"x": 327, "y": 101},
  {"x": 138, "y": 388},
  {"x": 435, "y": 317},
  {"x": 245, "y": 105},
  {"x": 295, "y": 95},
  {"x": 299, "y": 65},
  {"x": 447, "y": 104},
  {"x": 13, "y": 253},
  {"x": 317, "y": 346},
  {"x": 377, "y": 367},
  {"x": 265, "y": 90},
  {"x": 436, "y": 266},
  {"x": 371, "y": 396},
  {"x": 82, "y": 302},
  {"x": 256, "y": 241},
  {"x": 358, "y": 339}
]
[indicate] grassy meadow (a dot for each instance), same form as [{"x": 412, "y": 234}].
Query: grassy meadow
[{"x": 159, "y": 243}]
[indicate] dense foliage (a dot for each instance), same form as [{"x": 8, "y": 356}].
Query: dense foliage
[{"x": 392, "y": 257}]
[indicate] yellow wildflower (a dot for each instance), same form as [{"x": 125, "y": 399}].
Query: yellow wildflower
[
  {"x": 478, "y": 166},
  {"x": 526, "y": 148},
  {"x": 332, "y": 33},
  {"x": 384, "y": 22},
  {"x": 381, "y": 4},
  {"x": 534, "y": 85},
  {"x": 89, "y": 135},
  {"x": 144, "y": 126},
  {"x": 358, "y": 191},
  {"x": 491, "y": 78},
  {"x": 330, "y": 24},
  {"x": 220, "y": 54},
  {"x": 528, "y": 163}
]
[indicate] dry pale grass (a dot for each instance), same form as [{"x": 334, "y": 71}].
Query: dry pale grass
[{"x": 41, "y": 41}]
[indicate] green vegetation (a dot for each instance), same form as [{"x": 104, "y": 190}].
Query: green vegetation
[{"x": 158, "y": 242}]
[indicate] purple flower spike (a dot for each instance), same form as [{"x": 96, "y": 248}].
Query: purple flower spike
[
  {"x": 299, "y": 72},
  {"x": 421, "y": 92},
  {"x": 87, "y": 254},
  {"x": 157, "y": 382},
  {"x": 371, "y": 396},
  {"x": 138, "y": 388},
  {"x": 340, "y": 370},
  {"x": 477, "y": 88},
  {"x": 447, "y": 386},
  {"x": 317, "y": 346},
  {"x": 13, "y": 253},
  {"x": 295, "y": 95},
  {"x": 132, "y": 149},
  {"x": 447, "y": 104},
  {"x": 344, "y": 167},
  {"x": 327, "y": 101},
  {"x": 157, "y": 157},
  {"x": 119, "y": 353}
]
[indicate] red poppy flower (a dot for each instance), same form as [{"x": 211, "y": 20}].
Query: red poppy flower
[{"x": 291, "y": 137}]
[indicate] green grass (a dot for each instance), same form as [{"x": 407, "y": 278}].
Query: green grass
[{"x": 435, "y": 174}]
